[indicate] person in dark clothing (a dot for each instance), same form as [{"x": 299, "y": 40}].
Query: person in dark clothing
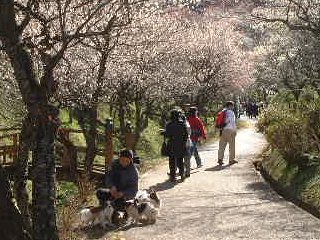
[
  {"x": 123, "y": 180},
  {"x": 255, "y": 110},
  {"x": 177, "y": 135}
]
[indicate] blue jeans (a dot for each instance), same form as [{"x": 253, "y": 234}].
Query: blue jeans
[{"x": 194, "y": 152}]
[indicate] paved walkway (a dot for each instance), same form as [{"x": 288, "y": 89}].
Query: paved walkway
[{"x": 230, "y": 203}]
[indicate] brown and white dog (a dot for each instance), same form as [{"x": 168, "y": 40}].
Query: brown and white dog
[
  {"x": 144, "y": 196},
  {"x": 144, "y": 208},
  {"x": 97, "y": 216}
]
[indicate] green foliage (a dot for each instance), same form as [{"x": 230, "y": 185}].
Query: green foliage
[
  {"x": 149, "y": 145},
  {"x": 66, "y": 191},
  {"x": 292, "y": 127},
  {"x": 66, "y": 119},
  {"x": 302, "y": 182},
  {"x": 311, "y": 192}
]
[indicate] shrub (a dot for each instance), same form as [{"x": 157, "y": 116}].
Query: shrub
[{"x": 293, "y": 127}]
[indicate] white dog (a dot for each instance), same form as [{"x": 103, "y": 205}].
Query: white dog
[{"x": 97, "y": 216}]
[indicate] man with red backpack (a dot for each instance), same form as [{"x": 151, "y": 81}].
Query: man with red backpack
[
  {"x": 226, "y": 121},
  {"x": 197, "y": 132}
]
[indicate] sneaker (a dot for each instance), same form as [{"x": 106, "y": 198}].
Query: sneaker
[
  {"x": 182, "y": 178},
  {"x": 177, "y": 173},
  {"x": 173, "y": 179},
  {"x": 233, "y": 162},
  {"x": 220, "y": 162},
  {"x": 199, "y": 166}
]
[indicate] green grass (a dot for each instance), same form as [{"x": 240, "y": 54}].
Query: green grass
[
  {"x": 302, "y": 182},
  {"x": 149, "y": 145},
  {"x": 65, "y": 191}
]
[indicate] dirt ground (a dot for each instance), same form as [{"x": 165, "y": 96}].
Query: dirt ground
[{"x": 232, "y": 202}]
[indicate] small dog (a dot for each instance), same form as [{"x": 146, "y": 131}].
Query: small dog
[
  {"x": 144, "y": 208},
  {"x": 154, "y": 199},
  {"x": 97, "y": 216},
  {"x": 141, "y": 212},
  {"x": 144, "y": 196}
]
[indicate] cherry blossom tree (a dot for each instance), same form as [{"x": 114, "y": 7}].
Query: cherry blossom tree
[
  {"x": 291, "y": 59},
  {"x": 300, "y": 15},
  {"x": 35, "y": 36}
]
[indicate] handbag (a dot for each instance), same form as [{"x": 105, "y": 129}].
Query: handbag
[{"x": 164, "y": 149}]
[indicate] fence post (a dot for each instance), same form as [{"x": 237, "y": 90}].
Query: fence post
[
  {"x": 109, "y": 144},
  {"x": 130, "y": 137},
  {"x": 15, "y": 147}
]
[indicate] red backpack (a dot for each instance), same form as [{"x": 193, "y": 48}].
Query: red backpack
[{"x": 220, "y": 119}]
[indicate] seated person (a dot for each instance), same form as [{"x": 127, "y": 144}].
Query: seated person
[{"x": 124, "y": 182}]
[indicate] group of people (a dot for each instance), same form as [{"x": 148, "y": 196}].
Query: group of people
[
  {"x": 252, "y": 109},
  {"x": 183, "y": 131}
]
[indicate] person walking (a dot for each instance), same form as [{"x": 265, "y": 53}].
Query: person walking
[
  {"x": 228, "y": 135},
  {"x": 177, "y": 135},
  {"x": 187, "y": 156},
  {"x": 197, "y": 132}
]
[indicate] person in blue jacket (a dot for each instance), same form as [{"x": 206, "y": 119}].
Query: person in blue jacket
[{"x": 124, "y": 178}]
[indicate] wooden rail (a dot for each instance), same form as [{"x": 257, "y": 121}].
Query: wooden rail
[{"x": 9, "y": 146}]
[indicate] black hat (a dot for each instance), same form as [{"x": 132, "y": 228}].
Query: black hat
[
  {"x": 174, "y": 115},
  {"x": 126, "y": 153},
  {"x": 193, "y": 111},
  {"x": 229, "y": 103}
]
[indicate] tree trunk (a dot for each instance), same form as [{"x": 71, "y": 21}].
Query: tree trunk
[
  {"x": 69, "y": 158},
  {"x": 21, "y": 173},
  {"x": 43, "y": 182},
  {"x": 88, "y": 122},
  {"x": 11, "y": 223},
  {"x": 122, "y": 118},
  {"x": 141, "y": 120},
  {"x": 91, "y": 137},
  {"x": 42, "y": 115}
]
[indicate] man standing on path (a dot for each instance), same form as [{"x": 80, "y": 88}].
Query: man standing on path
[
  {"x": 177, "y": 134},
  {"x": 197, "y": 131},
  {"x": 228, "y": 135}
]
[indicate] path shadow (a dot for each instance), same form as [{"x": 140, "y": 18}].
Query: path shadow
[
  {"x": 94, "y": 232},
  {"x": 132, "y": 225},
  {"x": 218, "y": 167},
  {"x": 97, "y": 232},
  {"x": 167, "y": 184},
  {"x": 194, "y": 170},
  {"x": 264, "y": 191}
]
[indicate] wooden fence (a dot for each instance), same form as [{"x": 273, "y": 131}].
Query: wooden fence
[
  {"x": 9, "y": 145},
  {"x": 69, "y": 157}
]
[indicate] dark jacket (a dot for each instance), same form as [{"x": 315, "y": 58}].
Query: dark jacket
[
  {"x": 125, "y": 179},
  {"x": 176, "y": 132}
]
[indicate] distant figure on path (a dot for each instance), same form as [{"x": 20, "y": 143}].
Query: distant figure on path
[{"x": 228, "y": 135}]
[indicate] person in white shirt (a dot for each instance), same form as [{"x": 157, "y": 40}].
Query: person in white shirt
[{"x": 228, "y": 135}]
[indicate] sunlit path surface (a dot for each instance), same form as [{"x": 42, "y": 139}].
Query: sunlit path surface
[{"x": 229, "y": 203}]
